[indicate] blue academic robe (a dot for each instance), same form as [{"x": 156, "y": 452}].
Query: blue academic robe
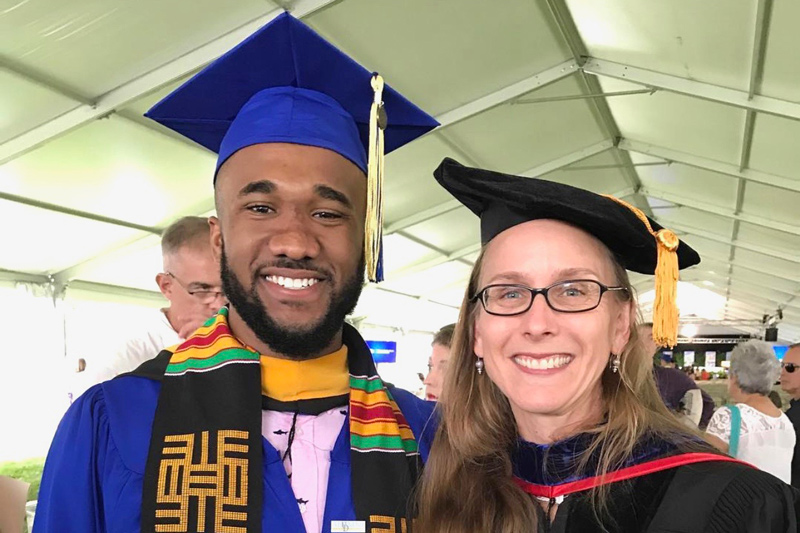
[{"x": 92, "y": 481}]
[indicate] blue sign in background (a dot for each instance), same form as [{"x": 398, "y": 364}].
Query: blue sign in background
[
  {"x": 383, "y": 351},
  {"x": 780, "y": 351}
]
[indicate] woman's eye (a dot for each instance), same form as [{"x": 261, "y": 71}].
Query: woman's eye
[
  {"x": 574, "y": 290},
  {"x": 510, "y": 295}
]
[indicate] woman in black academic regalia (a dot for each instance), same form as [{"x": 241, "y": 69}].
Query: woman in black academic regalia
[{"x": 551, "y": 420}]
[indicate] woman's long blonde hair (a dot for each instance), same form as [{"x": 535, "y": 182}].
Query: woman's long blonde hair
[{"x": 467, "y": 485}]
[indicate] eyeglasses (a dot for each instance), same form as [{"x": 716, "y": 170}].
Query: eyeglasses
[
  {"x": 202, "y": 295},
  {"x": 790, "y": 367},
  {"x": 572, "y": 296}
]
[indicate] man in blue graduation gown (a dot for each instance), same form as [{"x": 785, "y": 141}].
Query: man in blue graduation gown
[{"x": 186, "y": 442}]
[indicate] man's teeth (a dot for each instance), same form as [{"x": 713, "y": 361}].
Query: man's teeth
[
  {"x": 545, "y": 363},
  {"x": 292, "y": 283}
]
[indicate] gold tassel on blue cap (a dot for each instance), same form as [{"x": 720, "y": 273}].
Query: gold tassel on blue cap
[{"x": 373, "y": 231}]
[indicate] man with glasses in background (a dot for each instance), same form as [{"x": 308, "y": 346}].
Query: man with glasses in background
[
  {"x": 790, "y": 383},
  {"x": 190, "y": 281}
]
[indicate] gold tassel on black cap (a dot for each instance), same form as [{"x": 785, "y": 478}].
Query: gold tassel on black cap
[
  {"x": 665, "y": 306},
  {"x": 373, "y": 231}
]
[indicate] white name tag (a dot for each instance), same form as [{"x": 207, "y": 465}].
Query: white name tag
[{"x": 348, "y": 526}]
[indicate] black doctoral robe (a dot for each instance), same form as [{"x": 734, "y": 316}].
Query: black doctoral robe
[{"x": 658, "y": 490}]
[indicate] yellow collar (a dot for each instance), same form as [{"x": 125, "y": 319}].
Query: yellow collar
[{"x": 286, "y": 380}]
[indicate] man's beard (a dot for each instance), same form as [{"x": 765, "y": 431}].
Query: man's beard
[{"x": 301, "y": 342}]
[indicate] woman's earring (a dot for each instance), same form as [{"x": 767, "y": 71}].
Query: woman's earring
[
  {"x": 479, "y": 365},
  {"x": 613, "y": 364}
]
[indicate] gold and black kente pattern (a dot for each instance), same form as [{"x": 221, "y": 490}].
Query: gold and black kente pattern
[{"x": 202, "y": 483}]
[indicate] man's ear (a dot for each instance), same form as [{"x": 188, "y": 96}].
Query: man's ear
[
  {"x": 164, "y": 284},
  {"x": 216, "y": 237}
]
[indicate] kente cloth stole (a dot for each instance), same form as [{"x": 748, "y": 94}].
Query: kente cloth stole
[{"x": 204, "y": 466}]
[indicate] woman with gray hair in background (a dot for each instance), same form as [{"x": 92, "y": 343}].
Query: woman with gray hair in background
[{"x": 766, "y": 437}]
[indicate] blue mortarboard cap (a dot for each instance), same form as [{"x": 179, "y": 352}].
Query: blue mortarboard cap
[{"x": 285, "y": 83}]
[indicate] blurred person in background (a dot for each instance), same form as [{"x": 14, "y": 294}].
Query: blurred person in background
[
  {"x": 437, "y": 362},
  {"x": 766, "y": 437},
  {"x": 790, "y": 383},
  {"x": 190, "y": 281},
  {"x": 775, "y": 398},
  {"x": 665, "y": 360},
  {"x": 679, "y": 392}
]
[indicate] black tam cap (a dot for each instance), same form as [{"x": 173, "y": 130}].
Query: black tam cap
[{"x": 502, "y": 201}]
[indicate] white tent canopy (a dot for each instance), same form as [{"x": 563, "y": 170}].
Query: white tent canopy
[{"x": 690, "y": 110}]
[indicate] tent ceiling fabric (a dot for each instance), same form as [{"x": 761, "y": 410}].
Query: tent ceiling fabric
[{"x": 698, "y": 126}]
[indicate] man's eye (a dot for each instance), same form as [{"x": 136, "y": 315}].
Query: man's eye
[
  {"x": 262, "y": 209},
  {"x": 327, "y": 215}
]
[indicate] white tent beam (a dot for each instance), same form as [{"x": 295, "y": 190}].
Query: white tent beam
[
  {"x": 759, "y": 289},
  {"x": 569, "y": 159},
  {"x": 430, "y": 263},
  {"x": 445, "y": 256},
  {"x": 742, "y": 306},
  {"x": 721, "y": 211},
  {"x": 710, "y": 264},
  {"x": 763, "y": 16},
  {"x": 506, "y": 94},
  {"x": 565, "y": 22},
  {"x": 774, "y": 303},
  {"x": 380, "y": 288},
  {"x": 11, "y": 276},
  {"x": 760, "y": 34},
  {"x": 456, "y": 149},
  {"x": 740, "y": 188},
  {"x": 117, "y": 292},
  {"x": 747, "y": 294},
  {"x": 749, "y": 309},
  {"x": 719, "y": 167},
  {"x": 420, "y": 298},
  {"x": 703, "y": 275},
  {"x": 145, "y": 84},
  {"x": 538, "y": 171},
  {"x": 623, "y": 193},
  {"x": 125, "y": 246},
  {"x": 693, "y": 88},
  {"x": 699, "y": 275},
  {"x": 120, "y": 249},
  {"x": 422, "y": 216},
  {"x": 27, "y": 74},
  {"x": 454, "y": 284},
  {"x": 77, "y": 213},
  {"x": 747, "y": 140},
  {"x": 726, "y": 241},
  {"x": 141, "y": 121},
  {"x": 758, "y": 270},
  {"x": 755, "y": 300}
]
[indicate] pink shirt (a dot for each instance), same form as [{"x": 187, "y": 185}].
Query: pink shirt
[{"x": 314, "y": 437}]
